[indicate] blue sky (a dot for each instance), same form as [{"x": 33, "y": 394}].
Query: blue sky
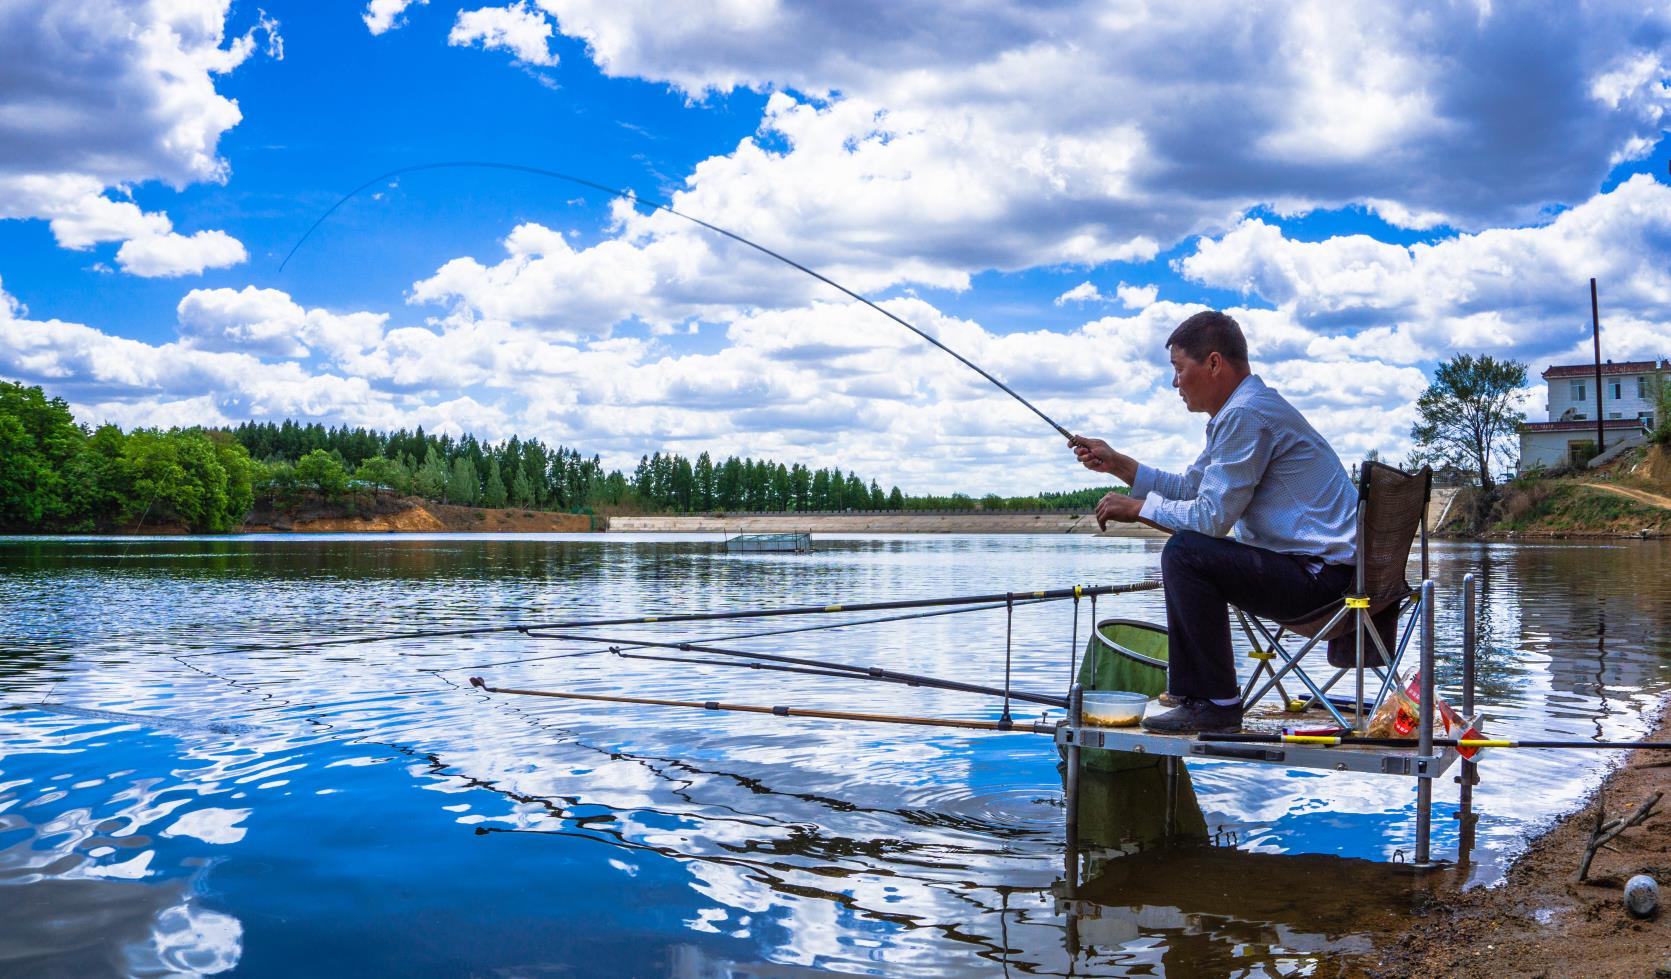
[{"x": 1048, "y": 190}]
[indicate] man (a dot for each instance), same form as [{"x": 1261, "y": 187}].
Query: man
[{"x": 1265, "y": 470}]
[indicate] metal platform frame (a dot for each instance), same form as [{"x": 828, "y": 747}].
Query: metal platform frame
[{"x": 1420, "y": 761}]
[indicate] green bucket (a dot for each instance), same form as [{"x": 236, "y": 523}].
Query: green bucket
[{"x": 1123, "y": 654}]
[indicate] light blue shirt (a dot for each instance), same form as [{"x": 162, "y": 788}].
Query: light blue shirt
[{"x": 1265, "y": 473}]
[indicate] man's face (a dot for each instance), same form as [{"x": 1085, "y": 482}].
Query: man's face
[{"x": 1193, "y": 378}]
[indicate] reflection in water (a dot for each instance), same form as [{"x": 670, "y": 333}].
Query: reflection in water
[{"x": 278, "y": 810}]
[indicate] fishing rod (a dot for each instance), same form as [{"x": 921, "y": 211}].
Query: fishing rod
[
  {"x": 746, "y": 635},
  {"x": 780, "y": 711},
  {"x": 635, "y": 198},
  {"x": 1331, "y": 740},
  {"x": 872, "y": 672},
  {"x": 1048, "y": 595}
]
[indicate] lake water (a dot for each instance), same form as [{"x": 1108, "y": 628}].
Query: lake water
[{"x": 360, "y": 810}]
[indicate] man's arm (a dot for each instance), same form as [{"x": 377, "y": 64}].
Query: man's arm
[
  {"x": 1098, "y": 456},
  {"x": 1235, "y": 463}
]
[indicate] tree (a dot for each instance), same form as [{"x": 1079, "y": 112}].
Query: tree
[
  {"x": 38, "y": 438},
  {"x": 1468, "y": 414},
  {"x": 381, "y": 472},
  {"x": 430, "y": 481},
  {"x": 462, "y": 486},
  {"x": 321, "y": 472},
  {"x": 493, "y": 493}
]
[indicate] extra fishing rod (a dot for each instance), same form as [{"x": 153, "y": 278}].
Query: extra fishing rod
[
  {"x": 961, "y": 610},
  {"x": 635, "y": 198},
  {"x": 857, "y": 672},
  {"x": 1331, "y": 740},
  {"x": 779, "y": 711},
  {"x": 1001, "y": 598}
]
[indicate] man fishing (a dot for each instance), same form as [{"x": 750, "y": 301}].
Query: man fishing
[{"x": 1264, "y": 470}]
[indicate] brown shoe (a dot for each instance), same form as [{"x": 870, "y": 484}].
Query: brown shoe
[{"x": 1167, "y": 700}]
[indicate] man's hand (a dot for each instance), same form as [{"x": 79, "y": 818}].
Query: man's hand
[
  {"x": 1117, "y": 507},
  {"x": 1094, "y": 454}
]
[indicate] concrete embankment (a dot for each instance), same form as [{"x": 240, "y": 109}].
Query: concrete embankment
[{"x": 885, "y": 522}]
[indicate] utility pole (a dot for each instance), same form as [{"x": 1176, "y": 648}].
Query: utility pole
[{"x": 1595, "y": 318}]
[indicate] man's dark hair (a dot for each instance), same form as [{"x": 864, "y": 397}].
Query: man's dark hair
[{"x": 1207, "y": 333}]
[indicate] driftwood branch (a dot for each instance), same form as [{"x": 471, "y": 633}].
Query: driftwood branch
[{"x": 1604, "y": 832}]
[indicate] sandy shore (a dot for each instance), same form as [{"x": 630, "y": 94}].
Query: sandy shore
[{"x": 1541, "y": 921}]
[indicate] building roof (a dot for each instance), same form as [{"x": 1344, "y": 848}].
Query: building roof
[
  {"x": 1580, "y": 425},
  {"x": 1589, "y": 370}
]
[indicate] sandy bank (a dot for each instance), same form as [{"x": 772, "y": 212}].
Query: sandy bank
[
  {"x": 410, "y": 515},
  {"x": 1541, "y": 921},
  {"x": 903, "y": 522}
]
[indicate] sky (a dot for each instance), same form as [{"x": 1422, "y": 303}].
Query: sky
[{"x": 1047, "y": 188}]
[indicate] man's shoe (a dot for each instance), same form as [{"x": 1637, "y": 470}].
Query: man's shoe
[
  {"x": 1167, "y": 700},
  {"x": 1195, "y": 715}
]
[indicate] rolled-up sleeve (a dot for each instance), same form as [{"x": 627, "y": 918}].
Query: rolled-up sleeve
[
  {"x": 1236, "y": 459},
  {"x": 1167, "y": 486}
]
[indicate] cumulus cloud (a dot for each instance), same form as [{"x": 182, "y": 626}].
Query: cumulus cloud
[
  {"x": 524, "y": 32},
  {"x": 1084, "y": 292},
  {"x": 1182, "y": 118},
  {"x": 100, "y": 95},
  {"x": 382, "y": 16},
  {"x": 268, "y": 322},
  {"x": 1518, "y": 292},
  {"x": 171, "y": 255}
]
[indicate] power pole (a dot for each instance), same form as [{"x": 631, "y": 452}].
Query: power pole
[{"x": 1595, "y": 318}]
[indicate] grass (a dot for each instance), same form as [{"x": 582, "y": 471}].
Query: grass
[{"x": 1539, "y": 506}]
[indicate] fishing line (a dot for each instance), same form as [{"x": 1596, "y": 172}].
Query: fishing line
[{"x": 635, "y": 198}]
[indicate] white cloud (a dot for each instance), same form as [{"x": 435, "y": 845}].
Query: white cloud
[
  {"x": 102, "y": 95},
  {"x": 524, "y": 32},
  {"x": 1136, "y": 297},
  {"x": 1182, "y": 117},
  {"x": 384, "y": 15},
  {"x": 268, "y": 322},
  {"x": 170, "y": 255},
  {"x": 1518, "y": 292},
  {"x": 1084, "y": 292}
]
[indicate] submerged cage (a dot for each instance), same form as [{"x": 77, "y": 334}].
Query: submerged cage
[{"x": 784, "y": 543}]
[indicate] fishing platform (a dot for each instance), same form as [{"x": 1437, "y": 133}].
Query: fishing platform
[{"x": 800, "y": 543}]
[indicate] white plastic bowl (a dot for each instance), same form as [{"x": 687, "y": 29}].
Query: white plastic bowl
[{"x": 1114, "y": 708}]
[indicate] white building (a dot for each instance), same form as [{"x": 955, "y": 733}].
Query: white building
[{"x": 1629, "y": 397}]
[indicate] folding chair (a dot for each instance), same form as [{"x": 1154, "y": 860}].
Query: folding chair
[{"x": 1392, "y": 512}]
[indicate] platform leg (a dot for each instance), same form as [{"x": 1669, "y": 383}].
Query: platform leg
[
  {"x": 1076, "y": 700},
  {"x": 1424, "y": 752}
]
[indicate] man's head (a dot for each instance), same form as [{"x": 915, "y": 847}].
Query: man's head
[{"x": 1209, "y": 358}]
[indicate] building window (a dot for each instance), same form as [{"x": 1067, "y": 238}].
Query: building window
[
  {"x": 1618, "y": 390},
  {"x": 1642, "y": 388},
  {"x": 1578, "y": 390},
  {"x": 1614, "y": 414},
  {"x": 1579, "y": 416}
]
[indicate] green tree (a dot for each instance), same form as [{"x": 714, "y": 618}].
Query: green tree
[
  {"x": 521, "y": 490},
  {"x": 320, "y": 472},
  {"x": 381, "y": 472},
  {"x": 38, "y": 438},
  {"x": 101, "y": 481},
  {"x": 494, "y": 493},
  {"x": 1468, "y": 414},
  {"x": 462, "y": 487},
  {"x": 430, "y": 481}
]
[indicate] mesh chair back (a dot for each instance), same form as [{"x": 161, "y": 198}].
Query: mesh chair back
[{"x": 1390, "y": 505}]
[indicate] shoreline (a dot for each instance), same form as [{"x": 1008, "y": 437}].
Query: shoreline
[{"x": 1540, "y": 921}]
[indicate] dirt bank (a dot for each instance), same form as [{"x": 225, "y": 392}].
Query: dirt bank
[
  {"x": 900, "y": 522},
  {"x": 1541, "y": 921},
  {"x": 410, "y": 515}
]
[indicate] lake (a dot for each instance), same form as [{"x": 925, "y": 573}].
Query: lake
[{"x": 360, "y": 809}]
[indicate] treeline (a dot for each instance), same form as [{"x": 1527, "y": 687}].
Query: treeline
[
  {"x": 57, "y": 476},
  {"x": 669, "y": 481},
  {"x": 336, "y": 462}
]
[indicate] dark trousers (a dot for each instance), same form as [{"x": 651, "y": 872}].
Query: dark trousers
[{"x": 1203, "y": 576}]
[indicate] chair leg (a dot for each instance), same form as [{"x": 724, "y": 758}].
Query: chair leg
[{"x": 1290, "y": 663}]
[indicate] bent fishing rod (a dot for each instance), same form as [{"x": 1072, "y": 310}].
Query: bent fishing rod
[
  {"x": 636, "y": 198},
  {"x": 1331, "y": 740},
  {"x": 1076, "y": 591}
]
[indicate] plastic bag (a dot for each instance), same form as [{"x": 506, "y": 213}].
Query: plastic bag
[{"x": 1400, "y": 715}]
